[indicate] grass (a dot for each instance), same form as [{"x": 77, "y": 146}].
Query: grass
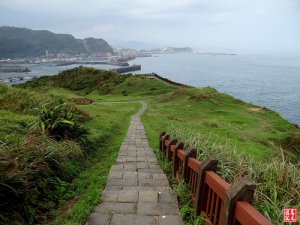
[
  {"x": 78, "y": 196},
  {"x": 216, "y": 123},
  {"x": 226, "y": 117},
  {"x": 221, "y": 125},
  {"x": 134, "y": 88},
  {"x": 108, "y": 130}
]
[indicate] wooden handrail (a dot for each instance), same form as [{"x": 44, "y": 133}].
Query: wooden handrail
[
  {"x": 180, "y": 154},
  {"x": 212, "y": 196},
  {"x": 246, "y": 214},
  {"x": 194, "y": 164},
  {"x": 216, "y": 183}
]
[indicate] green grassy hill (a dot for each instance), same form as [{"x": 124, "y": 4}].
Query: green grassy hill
[
  {"x": 21, "y": 42},
  {"x": 248, "y": 142}
]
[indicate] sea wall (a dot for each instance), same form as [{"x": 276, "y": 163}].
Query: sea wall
[{"x": 167, "y": 80}]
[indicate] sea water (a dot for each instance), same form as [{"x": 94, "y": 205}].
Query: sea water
[{"x": 270, "y": 81}]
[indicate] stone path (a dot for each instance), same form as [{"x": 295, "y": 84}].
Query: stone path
[{"x": 137, "y": 191}]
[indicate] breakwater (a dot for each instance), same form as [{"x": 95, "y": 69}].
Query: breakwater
[
  {"x": 127, "y": 69},
  {"x": 14, "y": 70},
  {"x": 166, "y": 80},
  {"x": 115, "y": 63}
]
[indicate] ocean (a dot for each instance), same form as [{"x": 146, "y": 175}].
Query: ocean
[{"x": 270, "y": 81}]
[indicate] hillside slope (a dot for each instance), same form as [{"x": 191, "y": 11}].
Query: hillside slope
[{"x": 21, "y": 42}]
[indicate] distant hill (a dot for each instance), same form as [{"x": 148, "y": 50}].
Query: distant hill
[
  {"x": 20, "y": 42},
  {"x": 137, "y": 45}
]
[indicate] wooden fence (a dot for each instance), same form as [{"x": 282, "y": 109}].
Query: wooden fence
[{"x": 219, "y": 202}]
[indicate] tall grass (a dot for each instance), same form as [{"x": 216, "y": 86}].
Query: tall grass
[
  {"x": 34, "y": 176},
  {"x": 276, "y": 177}
]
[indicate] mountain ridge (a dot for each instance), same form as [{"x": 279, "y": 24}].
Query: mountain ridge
[{"x": 24, "y": 42}]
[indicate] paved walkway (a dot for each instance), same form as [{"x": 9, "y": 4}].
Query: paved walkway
[{"x": 137, "y": 190}]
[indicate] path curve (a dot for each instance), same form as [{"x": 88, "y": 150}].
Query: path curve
[{"x": 137, "y": 191}]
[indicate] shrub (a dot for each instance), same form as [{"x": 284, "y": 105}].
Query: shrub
[
  {"x": 33, "y": 176},
  {"x": 60, "y": 122}
]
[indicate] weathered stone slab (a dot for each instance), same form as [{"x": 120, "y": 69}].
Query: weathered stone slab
[
  {"x": 120, "y": 160},
  {"x": 115, "y": 175},
  {"x": 153, "y": 171},
  {"x": 170, "y": 220},
  {"x": 159, "y": 176},
  {"x": 116, "y": 167},
  {"x": 122, "y": 153},
  {"x": 163, "y": 189},
  {"x": 141, "y": 159},
  {"x": 109, "y": 196},
  {"x": 147, "y": 208},
  {"x": 131, "y": 153},
  {"x": 124, "y": 219},
  {"x": 142, "y": 165},
  {"x": 154, "y": 166},
  {"x": 130, "y": 166},
  {"x": 99, "y": 219},
  {"x": 139, "y": 188},
  {"x": 164, "y": 197},
  {"x": 128, "y": 196},
  {"x": 150, "y": 154},
  {"x": 115, "y": 207},
  {"x": 131, "y": 159},
  {"x": 145, "y": 176},
  {"x": 130, "y": 175},
  {"x": 148, "y": 196},
  {"x": 151, "y": 182},
  {"x": 153, "y": 160},
  {"x": 122, "y": 182},
  {"x": 113, "y": 188}
]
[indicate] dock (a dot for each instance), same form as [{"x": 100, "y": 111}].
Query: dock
[
  {"x": 127, "y": 69},
  {"x": 14, "y": 70},
  {"x": 114, "y": 63}
]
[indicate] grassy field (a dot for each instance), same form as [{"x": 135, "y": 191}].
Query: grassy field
[{"x": 242, "y": 136}]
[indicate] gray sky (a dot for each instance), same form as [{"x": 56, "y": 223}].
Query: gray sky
[{"x": 256, "y": 26}]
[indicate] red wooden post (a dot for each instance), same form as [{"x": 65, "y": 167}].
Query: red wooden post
[
  {"x": 163, "y": 133},
  {"x": 190, "y": 152},
  {"x": 209, "y": 164},
  {"x": 164, "y": 147},
  {"x": 241, "y": 190},
  {"x": 169, "y": 153},
  {"x": 178, "y": 146}
]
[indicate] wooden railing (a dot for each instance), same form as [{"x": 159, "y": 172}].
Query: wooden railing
[{"x": 219, "y": 202}]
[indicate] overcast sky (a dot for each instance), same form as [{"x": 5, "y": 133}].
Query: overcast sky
[{"x": 226, "y": 25}]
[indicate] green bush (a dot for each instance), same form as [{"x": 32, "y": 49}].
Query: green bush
[
  {"x": 34, "y": 176},
  {"x": 60, "y": 122}
]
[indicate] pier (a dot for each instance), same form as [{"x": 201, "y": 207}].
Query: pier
[
  {"x": 127, "y": 69},
  {"x": 14, "y": 70},
  {"x": 115, "y": 63}
]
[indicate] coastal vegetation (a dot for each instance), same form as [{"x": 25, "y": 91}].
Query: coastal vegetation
[
  {"x": 57, "y": 148},
  {"x": 20, "y": 42}
]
